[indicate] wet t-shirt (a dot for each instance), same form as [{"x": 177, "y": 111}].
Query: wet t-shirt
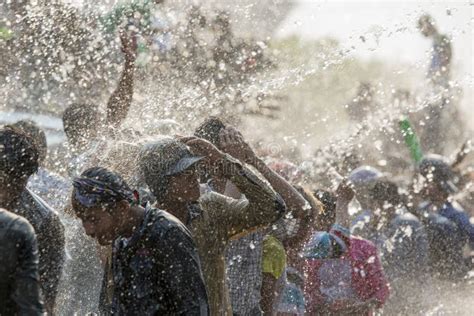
[
  {"x": 19, "y": 287},
  {"x": 51, "y": 240},
  {"x": 157, "y": 270}
]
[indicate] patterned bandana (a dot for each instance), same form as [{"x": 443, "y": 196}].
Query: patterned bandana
[{"x": 91, "y": 192}]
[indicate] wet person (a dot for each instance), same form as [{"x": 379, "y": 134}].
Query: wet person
[
  {"x": 78, "y": 287},
  {"x": 282, "y": 293},
  {"x": 403, "y": 242},
  {"x": 433, "y": 133},
  {"x": 363, "y": 180},
  {"x": 20, "y": 292},
  {"x": 82, "y": 123},
  {"x": 49, "y": 186},
  {"x": 155, "y": 264},
  {"x": 399, "y": 234},
  {"x": 441, "y": 53},
  {"x": 244, "y": 254},
  {"x": 449, "y": 227},
  {"x": 18, "y": 161},
  {"x": 344, "y": 275},
  {"x": 170, "y": 170}
]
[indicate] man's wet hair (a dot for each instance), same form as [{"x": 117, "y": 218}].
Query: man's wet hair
[
  {"x": 386, "y": 191},
  {"x": 109, "y": 184},
  {"x": 79, "y": 120},
  {"x": 31, "y": 129},
  {"x": 210, "y": 129},
  {"x": 18, "y": 153}
]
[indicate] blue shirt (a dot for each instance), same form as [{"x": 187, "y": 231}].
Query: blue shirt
[
  {"x": 446, "y": 238},
  {"x": 461, "y": 219},
  {"x": 403, "y": 243},
  {"x": 157, "y": 270}
]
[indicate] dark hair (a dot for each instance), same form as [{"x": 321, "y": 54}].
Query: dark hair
[
  {"x": 18, "y": 153},
  {"x": 79, "y": 120},
  {"x": 328, "y": 218},
  {"x": 210, "y": 129},
  {"x": 109, "y": 178},
  {"x": 386, "y": 191},
  {"x": 98, "y": 185},
  {"x": 31, "y": 129}
]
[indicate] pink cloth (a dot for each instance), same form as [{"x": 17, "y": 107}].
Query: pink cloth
[{"x": 365, "y": 280}]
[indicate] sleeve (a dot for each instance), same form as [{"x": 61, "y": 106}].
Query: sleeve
[
  {"x": 182, "y": 270},
  {"x": 406, "y": 249},
  {"x": 52, "y": 255},
  {"x": 273, "y": 257},
  {"x": 263, "y": 206},
  {"x": 464, "y": 223},
  {"x": 378, "y": 284},
  {"x": 27, "y": 293}
]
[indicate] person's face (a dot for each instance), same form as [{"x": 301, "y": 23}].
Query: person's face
[
  {"x": 184, "y": 186},
  {"x": 97, "y": 222}
]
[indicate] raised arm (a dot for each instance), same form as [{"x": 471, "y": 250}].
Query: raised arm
[
  {"x": 121, "y": 98},
  {"x": 233, "y": 143},
  {"x": 261, "y": 207}
]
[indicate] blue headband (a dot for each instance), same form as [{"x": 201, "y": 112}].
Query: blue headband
[{"x": 90, "y": 192}]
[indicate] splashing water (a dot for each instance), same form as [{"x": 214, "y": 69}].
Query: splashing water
[{"x": 58, "y": 54}]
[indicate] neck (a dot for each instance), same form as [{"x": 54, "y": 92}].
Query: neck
[{"x": 133, "y": 219}]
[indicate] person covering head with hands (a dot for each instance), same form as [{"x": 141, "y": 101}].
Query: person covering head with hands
[
  {"x": 169, "y": 167},
  {"x": 245, "y": 276},
  {"x": 155, "y": 265}
]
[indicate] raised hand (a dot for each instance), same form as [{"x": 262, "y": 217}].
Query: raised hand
[
  {"x": 129, "y": 45},
  {"x": 201, "y": 147},
  {"x": 344, "y": 192},
  {"x": 232, "y": 142}
]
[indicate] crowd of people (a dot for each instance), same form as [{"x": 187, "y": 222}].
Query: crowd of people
[{"x": 201, "y": 223}]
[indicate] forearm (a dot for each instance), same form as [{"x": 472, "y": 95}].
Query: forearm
[
  {"x": 259, "y": 194},
  {"x": 121, "y": 99},
  {"x": 342, "y": 214},
  {"x": 293, "y": 199}
]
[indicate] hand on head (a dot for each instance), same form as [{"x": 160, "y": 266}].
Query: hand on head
[
  {"x": 233, "y": 143},
  {"x": 201, "y": 147}
]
